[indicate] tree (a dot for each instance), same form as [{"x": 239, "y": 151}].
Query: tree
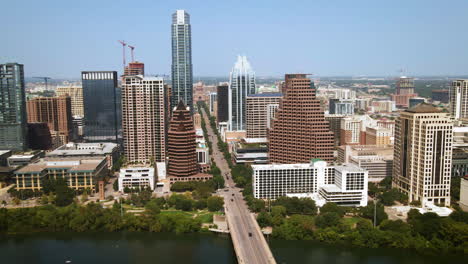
[
  {"x": 127, "y": 190},
  {"x": 332, "y": 208},
  {"x": 278, "y": 210},
  {"x": 386, "y": 183},
  {"x": 396, "y": 226},
  {"x": 364, "y": 225},
  {"x": 116, "y": 185},
  {"x": 368, "y": 212},
  {"x": 152, "y": 207},
  {"x": 63, "y": 195},
  {"x": 329, "y": 219},
  {"x": 214, "y": 203},
  {"x": 264, "y": 219},
  {"x": 373, "y": 189}
]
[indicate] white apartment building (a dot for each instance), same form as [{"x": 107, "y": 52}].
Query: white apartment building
[
  {"x": 459, "y": 99},
  {"x": 344, "y": 185},
  {"x": 422, "y": 162},
  {"x": 136, "y": 177}
]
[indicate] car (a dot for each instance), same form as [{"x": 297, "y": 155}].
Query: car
[
  {"x": 232, "y": 194},
  {"x": 232, "y": 200},
  {"x": 226, "y": 190},
  {"x": 250, "y": 234}
]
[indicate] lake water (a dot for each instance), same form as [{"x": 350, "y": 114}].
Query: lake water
[{"x": 142, "y": 248}]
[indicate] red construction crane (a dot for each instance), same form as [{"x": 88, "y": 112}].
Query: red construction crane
[
  {"x": 131, "y": 50},
  {"x": 123, "y": 49}
]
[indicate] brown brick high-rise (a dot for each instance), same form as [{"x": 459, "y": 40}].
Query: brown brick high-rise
[
  {"x": 299, "y": 131},
  {"x": 56, "y": 112},
  {"x": 181, "y": 145}
]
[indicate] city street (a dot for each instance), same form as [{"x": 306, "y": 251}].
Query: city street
[{"x": 249, "y": 243}]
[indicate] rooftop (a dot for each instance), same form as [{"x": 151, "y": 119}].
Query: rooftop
[
  {"x": 83, "y": 149},
  {"x": 423, "y": 108},
  {"x": 70, "y": 165}
]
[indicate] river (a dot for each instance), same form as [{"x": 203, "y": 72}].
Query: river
[{"x": 142, "y": 248}]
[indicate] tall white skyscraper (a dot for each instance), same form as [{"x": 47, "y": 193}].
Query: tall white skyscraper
[
  {"x": 182, "y": 78},
  {"x": 422, "y": 161},
  {"x": 459, "y": 99},
  {"x": 241, "y": 84}
]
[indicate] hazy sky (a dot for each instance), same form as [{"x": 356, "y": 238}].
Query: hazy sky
[{"x": 61, "y": 38}]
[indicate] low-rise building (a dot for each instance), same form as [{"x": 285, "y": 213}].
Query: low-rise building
[
  {"x": 85, "y": 150},
  {"x": 17, "y": 160},
  {"x": 379, "y": 136},
  {"x": 251, "y": 151},
  {"x": 345, "y": 152},
  {"x": 137, "y": 177},
  {"x": 344, "y": 185},
  {"x": 79, "y": 173},
  {"x": 378, "y": 167}
]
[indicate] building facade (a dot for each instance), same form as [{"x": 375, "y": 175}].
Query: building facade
[
  {"x": 222, "y": 114},
  {"x": 87, "y": 150},
  {"x": 404, "y": 91},
  {"x": 299, "y": 131},
  {"x": 241, "y": 85},
  {"x": 422, "y": 160},
  {"x": 75, "y": 92},
  {"x": 56, "y": 112},
  {"x": 182, "y": 78},
  {"x": 80, "y": 174},
  {"x": 344, "y": 185},
  {"x": 144, "y": 118},
  {"x": 136, "y": 178},
  {"x": 341, "y": 107},
  {"x": 39, "y": 137},
  {"x": 100, "y": 106},
  {"x": 13, "y": 116},
  {"x": 459, "y": 99},
  {"x": 379, "y": 136},
  {"x": 135, "y": 68},
  {"x": 260, "y": 108},
  {"x": 181, "y": 144}
]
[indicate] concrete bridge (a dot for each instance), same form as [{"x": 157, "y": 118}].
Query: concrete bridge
[{"x": 249, "y": 243}]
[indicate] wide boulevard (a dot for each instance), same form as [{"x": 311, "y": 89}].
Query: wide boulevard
[{"x": 249, "y": 243}]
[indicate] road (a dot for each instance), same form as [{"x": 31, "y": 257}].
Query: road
[{"x": 249, "y": 243}]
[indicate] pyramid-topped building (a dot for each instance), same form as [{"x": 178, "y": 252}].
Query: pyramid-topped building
[
  {"x": 181, "y": 145},
  {"x": 299, "y": 131}
]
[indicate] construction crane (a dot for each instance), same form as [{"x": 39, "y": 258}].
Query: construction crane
[
  {"x": 45, "y": 80},
  {"x": 123, "y": 49},
  {"x": 131, "y": 50}
]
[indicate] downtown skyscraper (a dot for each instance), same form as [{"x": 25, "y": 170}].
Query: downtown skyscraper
[
  {"x": 144, "y": 118},
  {"x": 100, "y": 106},
  {"x": 241, "y": 84},
  {"x": 459, "y": 99},
  {"x": 422, "y": 161},
  {"x": 12, "y": 107},
  {"x": 299, "y": 131},
  {"x": 182, "y": 77}
]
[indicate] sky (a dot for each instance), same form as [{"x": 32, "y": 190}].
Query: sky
[{"x": 61, "y": 38}]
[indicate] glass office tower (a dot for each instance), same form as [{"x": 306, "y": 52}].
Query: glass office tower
[
  {"x": 13, "y": 117},
  {"x": 182, "y": 79},
  {"x": 100, "y": 106},
  {"x": 241, "y": 84}
]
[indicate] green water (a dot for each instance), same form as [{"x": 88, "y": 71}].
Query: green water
[{"x": 141, "y": 248}]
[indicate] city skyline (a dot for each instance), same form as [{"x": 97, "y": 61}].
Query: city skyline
[{"x": 356, "y": 39}]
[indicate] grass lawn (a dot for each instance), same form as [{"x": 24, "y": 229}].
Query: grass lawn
[
  {"x": 351, "y": 220},
  {"x": 204, "y": 216}
]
